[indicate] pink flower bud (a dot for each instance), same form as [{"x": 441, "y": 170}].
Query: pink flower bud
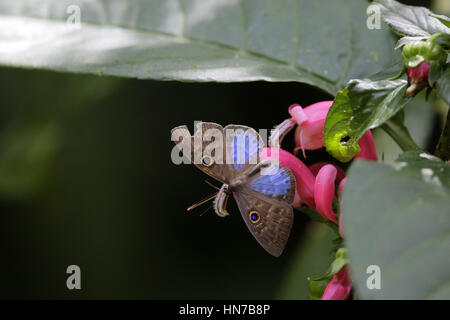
[
  {"x": 417, "y": 78},
  {"x": 311, "y": 122},
  {"x": 315, "y": 168},
  {"x": 339, "y": 287},
  {"x": 420, "y": 72},
  {"x": 367, "y": 146},
  {"x": 324, "y": 192}
]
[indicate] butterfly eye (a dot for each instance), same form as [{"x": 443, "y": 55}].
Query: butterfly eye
[
  {"x": 254, "y": 216},
  {"x": 207, "y": 161}
]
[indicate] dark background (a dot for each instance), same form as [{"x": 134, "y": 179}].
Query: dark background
[{"x": 86, "y": 179}]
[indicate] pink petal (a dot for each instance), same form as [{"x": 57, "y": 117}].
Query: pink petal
[
  {"x": 297, "y": 113},
  {"x": 367, "y": 145},
  {"x": 342, "y": 185},
  {"x": 419, "y": 72},
  {"x": 339, "y": 287},
  {"x": 299, "y": 141},
  {"x": 304, "y": 178},
  {"x": 309, "y": 136},
  {"x": 317, "y": 166},
  {"x": 318, "y": 110},
  {"x": 324, "y": 192},
  {"x": 309, "y": 133}
]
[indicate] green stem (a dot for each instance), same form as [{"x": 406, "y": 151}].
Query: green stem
[
  {"x": 443, "y": 146},
  {"x": 400, "y": 134}
]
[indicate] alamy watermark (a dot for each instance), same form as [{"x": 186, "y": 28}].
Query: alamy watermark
[
  {"x": 374, "y": 280},
  {"x": 211, "y": 145},
  {"x": 74, "y": 16},
  {"x": 373, "y": 17},
  {"x": 74, "y": 280}
]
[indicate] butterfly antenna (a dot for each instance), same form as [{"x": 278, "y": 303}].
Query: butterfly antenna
[
  {"x": 202, "y": 201},
  {"x": 206, "y": 210},
  {"x": 210, "y": 184}
]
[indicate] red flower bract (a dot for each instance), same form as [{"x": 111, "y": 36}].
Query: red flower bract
[{"x": 339, "y": 287}]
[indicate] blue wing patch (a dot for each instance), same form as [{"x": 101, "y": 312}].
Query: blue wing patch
[
  {"x": 245, "y": 145},
  {"x": 276, "y": 182}
]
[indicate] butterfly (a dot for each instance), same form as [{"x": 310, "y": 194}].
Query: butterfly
[{"x": 263, "y": 191}]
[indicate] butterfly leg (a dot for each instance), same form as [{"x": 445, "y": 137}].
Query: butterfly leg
[{"x": 220, "y": 203}]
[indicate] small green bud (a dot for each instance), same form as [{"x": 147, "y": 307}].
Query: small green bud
[{"x": 416, "y": 52}]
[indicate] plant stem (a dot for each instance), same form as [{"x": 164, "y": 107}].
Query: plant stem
[
  {"x": 443, "y": 147},
  {"x": 400, "y": 134}
]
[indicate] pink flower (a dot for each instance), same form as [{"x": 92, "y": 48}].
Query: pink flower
[
  {"x": 316, "y": 184},
  {"x": 419, "y": 73},
  {"x": 311, "y": 122},
  {"x": 304, "y": 178},
  {"x": 367, "y": 146},
  {"x": 318, "y": 165},
  {"x": 324, "y": 192},
  {"x": 339, "y": 287},
  {"x": 417, "y": 78},
  {"x": 341, "y": 185}
]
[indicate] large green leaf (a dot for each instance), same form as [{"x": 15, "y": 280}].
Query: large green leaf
[
  {"x": 411, "y": 20},
  {"x": 362, "y": 105},
  {"x": 321, "y": 42},
  {"x": 443, "y": 84},
  {"x": 397, "y": 218}
]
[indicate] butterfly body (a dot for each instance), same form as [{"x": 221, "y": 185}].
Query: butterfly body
[
  {"x": 220, "y": 202},
  {"x": 263, "y": 191}
]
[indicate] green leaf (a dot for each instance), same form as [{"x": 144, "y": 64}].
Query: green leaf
[
  {"x": 317, "y": 288},
  {"x": 397, "y": 218},
  {"x": 362, "y": 105},
  {"x": 419, "y": 159},
  {"x": 317, "y": 284},
  {"x": 410, "y": 20},
  {"x": 322, "y": 42},
  {"x": 443, "y": 84},
  {"x": 435, "y": 73},
  {"x": 313, "y": 255},
  {"x": 404, "y": 40},
  {"x": 443, "y": 40},
  {"x": 336, "y": 266},
  {"x": 443, "y": 19}
]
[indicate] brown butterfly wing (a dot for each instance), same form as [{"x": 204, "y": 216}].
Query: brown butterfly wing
[
  {"x": 275, "y": 220},
  {"x": 198, "y": 148},
  {"x": 211, "y": 140}
]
